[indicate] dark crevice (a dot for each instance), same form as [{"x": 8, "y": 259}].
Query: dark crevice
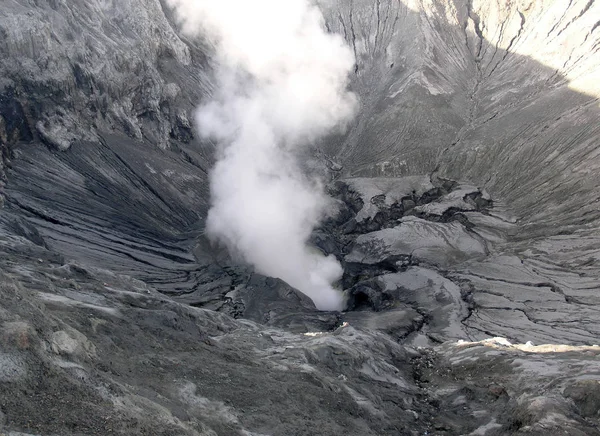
[
  {"x": 583, "y": 11},
  {"x": 516, "y": 37}
]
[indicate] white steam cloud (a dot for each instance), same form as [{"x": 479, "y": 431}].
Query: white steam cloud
[{"x": 282, "y": 83}]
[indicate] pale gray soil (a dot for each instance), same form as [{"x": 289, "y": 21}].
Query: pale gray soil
[{"x": 468, "y": 210}]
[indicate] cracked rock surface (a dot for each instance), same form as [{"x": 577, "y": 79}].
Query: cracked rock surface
[{"x": 467, "y": 225}]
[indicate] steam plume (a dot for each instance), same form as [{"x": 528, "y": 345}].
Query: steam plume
[{"x": 282, "y": 82}]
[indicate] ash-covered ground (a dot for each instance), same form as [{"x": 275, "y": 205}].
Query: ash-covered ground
[{"x": 466, "y": 220}]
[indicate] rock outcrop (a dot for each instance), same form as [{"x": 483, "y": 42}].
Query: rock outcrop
[{"x": 467, "y": 225}]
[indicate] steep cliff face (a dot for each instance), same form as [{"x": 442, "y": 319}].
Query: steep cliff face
[
  {"x": 97, "y": 108},
  {"x": 468, "y": 203},
  {"x": 504, "y": 94},
  {"x": 73, "y": 70}
]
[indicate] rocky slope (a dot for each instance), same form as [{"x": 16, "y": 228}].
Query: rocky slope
[{"x": 468, "y": 211}]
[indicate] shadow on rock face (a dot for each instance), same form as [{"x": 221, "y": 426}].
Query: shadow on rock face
[
  {"x": 124, "y": 204},
  {"x": 443, "y": 88},
  {"x": 91, "y": 347}
]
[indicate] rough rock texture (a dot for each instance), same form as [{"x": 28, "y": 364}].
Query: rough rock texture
[
  {"x": 71, "y": 70},
  {"x": 467, "y": 227},
  {"x": 504, "y": 94}
]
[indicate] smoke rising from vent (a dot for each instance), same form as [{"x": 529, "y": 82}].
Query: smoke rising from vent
[{"x": 281, "y": 84}]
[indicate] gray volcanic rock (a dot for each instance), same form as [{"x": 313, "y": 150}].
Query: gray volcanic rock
[
  {"x": 75, "y": 69},
  {"x": 467, "y": 225},
  {"x": 502, "y": 94},
  {"x": 436, "y": 243}
]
